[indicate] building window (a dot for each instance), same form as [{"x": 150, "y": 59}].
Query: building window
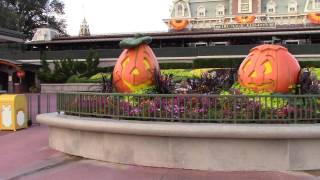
[
  {"x": 271, "y": 7},
  {"x": 179, "y": 11},
  {"x": 201, "y": 11},
  {"x": 245, "y": 6},
  {"x": 292, "y": 6},
  {"x": 316, "y": 4},
  {"x": 220, "y": 10}
]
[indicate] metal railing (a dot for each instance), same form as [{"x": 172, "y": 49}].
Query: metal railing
[
  {"x": 193, "y": 108},
  {"x": 40, "y": 103}
]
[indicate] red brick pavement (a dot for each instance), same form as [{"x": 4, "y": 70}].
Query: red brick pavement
[{"x": 26, "y": 155}]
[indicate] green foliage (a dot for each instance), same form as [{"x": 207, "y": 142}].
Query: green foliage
[
  {"x": 178, "y": 74},
  {"x": 267, "y": 103},
  {"x": 308, "y": 64},
  {"x": 316, "y": 71},
  {"x": 106, "y": 69},
  {"x": 8, "y": 18},
  {"x": 64, "y": 69},
  {"x": 246, "y": 91},
  {"x": 27, "y": 15},
  {"x": 308, "y": 82},
  {"x": 204, "y": 63},
  {"x": 184, "y": 74},
  {"x": 199, "y": 72},
  {"x": 99, "y": 76},
  {"x": 45, "y": 74},
  {"x": 132, "y": 100},
  {"x": 70, "y": 70},
  {"x": 91, "y": 64},
  {"x": 217, "y": 63},
  {"x": 176, "y": 66},
  {"x": 78, "y": 79},
  {"x": 146, "y": 90},
  {"x": 34, "y": 89},
  {"x": 106, "y": 85}
]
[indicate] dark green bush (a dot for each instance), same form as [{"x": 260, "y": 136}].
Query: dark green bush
[
  {"x": 176, "y": 65},
  {"x": 217, "y": 63},
  {"x": 67, "y": 67},
  {"x": 78, "y": 79},
  {"x": 308, "y": 64}
]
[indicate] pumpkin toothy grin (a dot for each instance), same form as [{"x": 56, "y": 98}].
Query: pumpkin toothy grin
[{"x": 261, "y": 86}]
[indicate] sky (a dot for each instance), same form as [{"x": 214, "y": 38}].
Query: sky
[{"x": 117, "y": 16}]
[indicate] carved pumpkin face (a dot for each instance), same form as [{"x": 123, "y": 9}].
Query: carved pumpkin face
[
  {"x": 178, "y": 25},
  {"x": 314, "y": 18},
  {"x": 135, "y": 69},
  {"x": 245, "y": 19},
  {"x": 269, "y": 68}
]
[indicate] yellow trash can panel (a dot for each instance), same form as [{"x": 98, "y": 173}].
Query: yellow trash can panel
[{"x": 13, "y": 112}]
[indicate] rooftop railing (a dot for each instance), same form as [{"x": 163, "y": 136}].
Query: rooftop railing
[{"x": 282, "y": 109}]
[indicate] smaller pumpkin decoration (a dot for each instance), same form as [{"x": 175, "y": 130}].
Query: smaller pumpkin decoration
[
  {"x": 178, "y": 25},
  {"x": 245, "y": 19},
  {"x": 314, "y": 18},
  {"x": 269, "y": 68},
  {"x": 136, "y": 67}
]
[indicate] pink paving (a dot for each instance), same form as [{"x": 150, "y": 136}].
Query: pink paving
[{"x": 26, "y": 155}]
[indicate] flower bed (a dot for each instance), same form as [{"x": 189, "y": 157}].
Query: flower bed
[
  {"x": 195, "y": 108},
  {"x": 201, "y": 95}
]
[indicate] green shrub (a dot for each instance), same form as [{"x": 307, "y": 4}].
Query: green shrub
[
  {"x": 176, "y": 66},
  {"x": 308, "y": 64},
  {"x": 99, "y": 76},
  {"x": 316, "y": 71},
  {"x": 78, "y": 79},
  {"x": 217, "y": 63},
  {"x": 178, "y": 74},
  {"x": 266, "y": 103},
  {"x": 145, "y": 90},
  {"x": 67, "y": 67}
]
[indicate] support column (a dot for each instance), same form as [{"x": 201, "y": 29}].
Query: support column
[
  {"x": 259, "y": 6},
  {"x": 37, "y": 81},
  {"x": 10, "y": 83}
]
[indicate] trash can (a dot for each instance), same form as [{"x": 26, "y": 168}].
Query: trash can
[{"x": 13, "y": 112}]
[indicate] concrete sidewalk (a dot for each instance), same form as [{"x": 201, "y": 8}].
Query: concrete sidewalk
[{"x": 26, "y": 155}]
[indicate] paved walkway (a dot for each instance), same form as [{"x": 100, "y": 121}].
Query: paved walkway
[{"x": 26, "y": 155}]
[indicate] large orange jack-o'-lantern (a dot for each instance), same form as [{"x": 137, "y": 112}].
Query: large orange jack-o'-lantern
[
  {"x": 269, "y": 68},
  {"x": 178, "y": 25},
  {"x": 136, "y": 67},
  {"x": 245, "y": 19},
  {"x": 314, "y": 18}
]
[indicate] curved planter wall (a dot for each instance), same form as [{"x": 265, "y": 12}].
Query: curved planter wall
[{"x": 188, "y": 146}]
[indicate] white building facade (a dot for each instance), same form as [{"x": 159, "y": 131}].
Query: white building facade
[{"x": 215, "y": 14}]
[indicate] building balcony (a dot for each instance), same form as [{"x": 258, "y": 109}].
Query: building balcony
[{"x": 271, "y": 21}]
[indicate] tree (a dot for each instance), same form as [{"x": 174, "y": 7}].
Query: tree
[
  {"x": 27, "y": 15},
  {"x": 92, "y": 62}
]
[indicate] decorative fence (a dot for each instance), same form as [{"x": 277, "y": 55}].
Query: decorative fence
[
  {"x": 194, "y": 108},
  {"x": 41, "y": 103}
]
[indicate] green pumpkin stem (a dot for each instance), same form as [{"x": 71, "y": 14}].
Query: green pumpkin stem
[{"x": 135, "y": 42}]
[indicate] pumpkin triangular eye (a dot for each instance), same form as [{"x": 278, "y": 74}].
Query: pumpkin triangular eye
[
  {"x": 245, "y": 67},
  {"x": 267, "y": 67},
  {"x": 253, "y": 74},
  {"x": 125, "y": 62},
  {"x": 146, "y": 64}
]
